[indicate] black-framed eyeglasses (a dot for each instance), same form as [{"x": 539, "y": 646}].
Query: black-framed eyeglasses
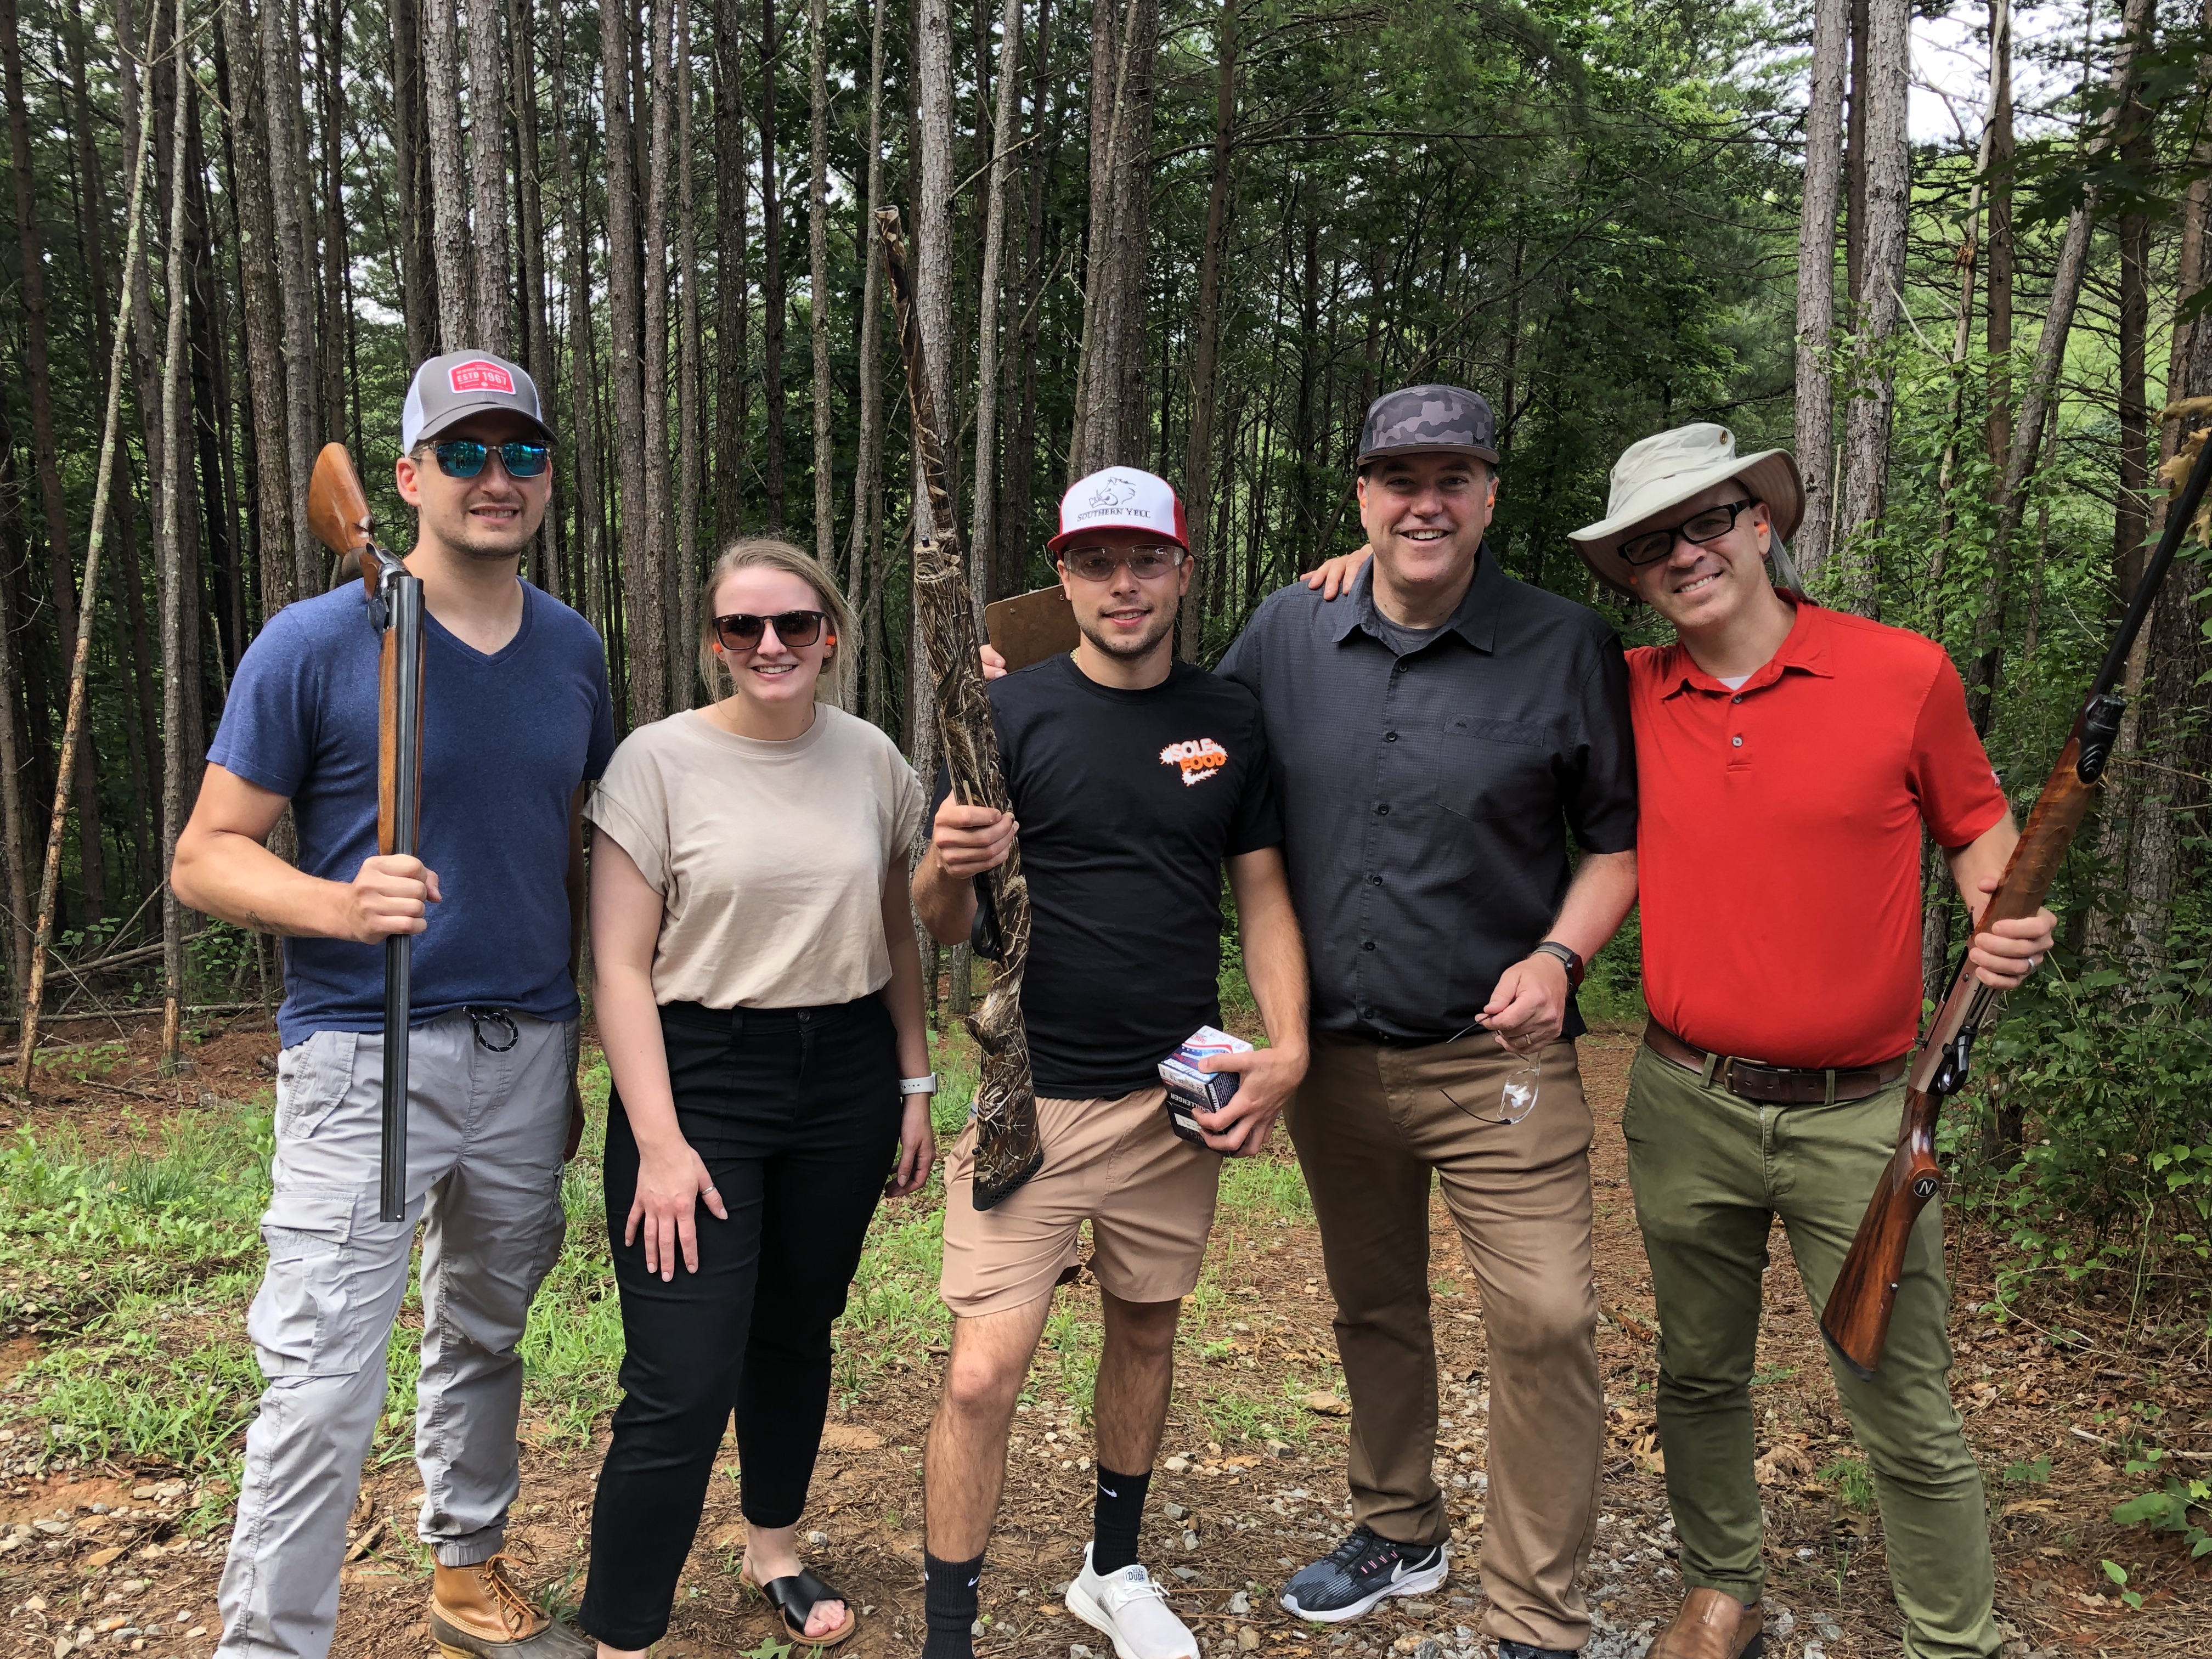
[
  {"x": 741, "y": 631},
  {"x": 465, "y": 458},
  {"x": 1709, "y": 525},
  {"x": 1097, "y": 564}
]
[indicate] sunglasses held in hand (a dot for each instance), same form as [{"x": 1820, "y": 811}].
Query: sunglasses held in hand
[
  {"x": 741, "y": 631},
  {"x": 465, "y": 458}
]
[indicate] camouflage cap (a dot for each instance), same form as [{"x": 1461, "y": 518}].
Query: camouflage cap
[{"x": 1431, "y": 420}]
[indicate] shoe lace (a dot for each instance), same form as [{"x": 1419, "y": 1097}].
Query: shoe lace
[
  {"x": 1358, "y": 1544},
  {"x": 516, "y": 1610}
]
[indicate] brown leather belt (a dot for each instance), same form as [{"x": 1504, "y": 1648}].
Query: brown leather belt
[{"x": 1774, "y": 1085}]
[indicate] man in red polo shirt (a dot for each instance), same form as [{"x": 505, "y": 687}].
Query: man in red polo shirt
[{"x": 1787, "y": 757}]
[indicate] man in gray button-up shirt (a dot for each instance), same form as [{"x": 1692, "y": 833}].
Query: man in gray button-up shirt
[{"x": 1436, "y": 735}]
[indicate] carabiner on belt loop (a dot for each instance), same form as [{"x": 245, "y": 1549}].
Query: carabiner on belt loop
[{"x": 480, "y": 1018}]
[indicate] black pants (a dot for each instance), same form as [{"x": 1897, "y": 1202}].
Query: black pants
[{"x": 796, "y": 1114}]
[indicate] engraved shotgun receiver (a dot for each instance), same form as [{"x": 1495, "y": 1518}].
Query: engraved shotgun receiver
[{"x": 338, "y": 514}]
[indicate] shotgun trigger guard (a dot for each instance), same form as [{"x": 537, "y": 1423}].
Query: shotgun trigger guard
[
  {"x": 1958, "y": 1057},
  {"x": 388, "y": 570},
  {"x": 984, "y": 937}
]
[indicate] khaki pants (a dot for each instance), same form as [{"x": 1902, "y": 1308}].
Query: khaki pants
[
  {"x": 1372, "y": 1122},
  {"x": 1711, "y": 1171}
]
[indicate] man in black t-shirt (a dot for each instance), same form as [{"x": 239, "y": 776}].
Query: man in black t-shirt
[{"x": 1136, "y": 780}]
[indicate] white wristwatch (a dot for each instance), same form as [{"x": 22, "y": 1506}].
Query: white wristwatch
[{"x": 918, "y": 1085}]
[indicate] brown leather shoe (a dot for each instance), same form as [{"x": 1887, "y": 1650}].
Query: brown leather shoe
[
  {"x": 480, "y": 1612},
  {"x": 1713, "y": 1624}
]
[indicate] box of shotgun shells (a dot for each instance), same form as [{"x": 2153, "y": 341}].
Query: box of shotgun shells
[{"x": 1193, "y": 1090}]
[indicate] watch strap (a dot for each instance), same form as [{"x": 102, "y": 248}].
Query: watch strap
[{"x": 1567, "y": 958}]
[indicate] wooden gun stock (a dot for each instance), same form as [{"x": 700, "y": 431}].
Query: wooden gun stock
[
  {"x": 1856, "y": 1319},
  {"x": 339, "y": 515}
]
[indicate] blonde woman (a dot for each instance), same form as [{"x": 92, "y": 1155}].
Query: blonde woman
[{"x": 758, "y": 991}]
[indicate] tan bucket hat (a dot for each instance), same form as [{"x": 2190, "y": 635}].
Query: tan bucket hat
[{"x": 1667, "y": 469}]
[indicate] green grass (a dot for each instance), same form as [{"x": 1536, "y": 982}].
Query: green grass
[{"x": 135, "y": 1270}]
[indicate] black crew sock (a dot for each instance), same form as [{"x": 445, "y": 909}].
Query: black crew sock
[
  {"x": 1117, "y": 1512},
  {"x": 948, "y": 1605}
]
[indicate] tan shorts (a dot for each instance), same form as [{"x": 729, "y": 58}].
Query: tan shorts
[{"x": 1147, "y": 1193}]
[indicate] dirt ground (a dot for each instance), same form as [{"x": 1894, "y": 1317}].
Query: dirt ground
[{"x": 103, "y": 1560}]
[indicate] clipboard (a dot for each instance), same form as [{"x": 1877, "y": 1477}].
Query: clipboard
[{"x": 1030, "y": 627}]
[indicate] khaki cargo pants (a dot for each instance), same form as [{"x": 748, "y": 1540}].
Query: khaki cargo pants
[
  {"x": 1711, "y": 1171},
  {"x": 485, "y": 1131}
]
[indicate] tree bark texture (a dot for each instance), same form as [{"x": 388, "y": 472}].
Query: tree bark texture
[
  {"x": 773, "y": 295},
  {"x": 1006, "y": 115},
  {"x": 584, "y": 427},
  {"x": 449, "y": 187},
  {"x": 1109, "y": 409},
  {"x": 410, "y": 151},
  {"x": 1886, "y": 197},
  {"x": 530, "y": 209},
  {"x": 263, "y": 308},
  {"x": 865, "y": 566},
  {"x": 173, "y": 573},
  {"x": 492, "y": 310},
  {"x": 1007, "y": 1148},
  {"x": 280, "y": 63},
  {"x": 1816, "y": 286},
  {"x": 732, "y": 306},
  {"x": 1997, "y": 338},
  {"x": 1198, "y": 449},
  {"x": 649, "y": 549},
  {"x": 684, "y": 651},
  {"x": 818, "y": 283},
  {"x": 647, "y": 661}
]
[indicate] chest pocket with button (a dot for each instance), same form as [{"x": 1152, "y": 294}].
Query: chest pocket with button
[{"x": 1493, "y": 769}]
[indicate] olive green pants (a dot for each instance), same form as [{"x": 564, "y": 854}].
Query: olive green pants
[{"x": 1710, "y": 1171}]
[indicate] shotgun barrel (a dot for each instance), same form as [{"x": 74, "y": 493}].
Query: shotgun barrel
[
  {"x": 1856, "y": 1319},
  {"x": 337, "y": 513}
]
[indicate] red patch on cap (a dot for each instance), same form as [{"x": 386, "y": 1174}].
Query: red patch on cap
[{"x": 481, "y": 377}]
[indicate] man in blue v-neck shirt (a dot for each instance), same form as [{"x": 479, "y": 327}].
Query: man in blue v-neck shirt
[{"x": 517, "y": 720}]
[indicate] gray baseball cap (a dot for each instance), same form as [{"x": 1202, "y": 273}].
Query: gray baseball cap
[
  {"x": 1445, "y": 420},
  {"x": 463, "y": 383}
]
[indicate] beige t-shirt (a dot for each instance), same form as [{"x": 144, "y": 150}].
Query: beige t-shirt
[{"x": 770, "y": 857}]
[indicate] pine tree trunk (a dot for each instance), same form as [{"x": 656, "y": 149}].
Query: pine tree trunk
[
  {"x": 172, "y": 567},
  {"x": 1198, "y": 450},
  {"x": 262, "y": 310},
  {"x": 330, "y": 48},
  {"x": 280, "y": 63},
  {"x": 982, "y": 520},
  {"x": 1048, "y": 105},
  {"x": 449, "y": 186},
  {"x": 14, "y": 820},
  {"x": 646, "y": 664},
  {"x": 772, "y": 288},
  {"x": 1888, "y": 198},
  {"x": 1866, "y": 60},
  {"x": 522, "y": 81},
  {"x": 492, "y": 310},
  {"x": 410, "y": 151},
  {"x": 683, "y": 650},
  {"x": 732, "y": 380},
  {"x": 818, "y": 283},
  {"x": 1109, "y": 406},
  {"x": 1816, "y": 286},
  {"x": 582, "y": 420},
  {"x": 650, "y": 552},
  {"x": 1997, "y": 338},
  {"x": 865, "y": 577}
]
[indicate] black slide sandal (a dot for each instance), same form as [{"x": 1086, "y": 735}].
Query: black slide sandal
[{"x": 795, "y": 1597}]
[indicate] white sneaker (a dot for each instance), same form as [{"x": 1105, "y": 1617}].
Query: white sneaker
[{"x": 1132, "y": 1611}]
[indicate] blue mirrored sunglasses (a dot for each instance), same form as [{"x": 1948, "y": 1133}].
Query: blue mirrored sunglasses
[{"x": 464, "y": 457}]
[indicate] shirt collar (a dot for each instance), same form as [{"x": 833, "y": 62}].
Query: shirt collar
[
  {"x": 1804, "y": 649},
  {"x": 1475, "y": 619}
]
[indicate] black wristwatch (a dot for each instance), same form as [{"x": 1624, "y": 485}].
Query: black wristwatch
[{"x": 1568, "y": 959}]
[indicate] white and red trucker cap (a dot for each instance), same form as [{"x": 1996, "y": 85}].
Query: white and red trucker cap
[
  {"x": 462, "y": 383},
  {"x": 1121, "y": 498}
]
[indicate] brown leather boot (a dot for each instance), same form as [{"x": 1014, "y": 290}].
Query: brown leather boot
[
  {"x": 1713, "y": 1624},
  {"x": 480, "y": 1612}
]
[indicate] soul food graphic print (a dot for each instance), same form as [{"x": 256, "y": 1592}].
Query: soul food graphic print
[{"x": 1200, "y": 758}]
